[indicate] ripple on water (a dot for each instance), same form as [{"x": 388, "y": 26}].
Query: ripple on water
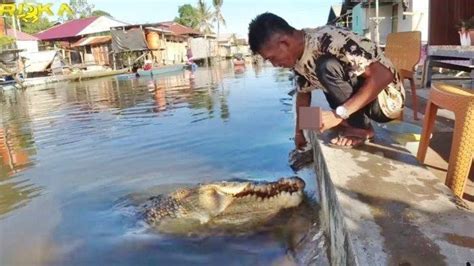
[{"x": 73, "y": 148}]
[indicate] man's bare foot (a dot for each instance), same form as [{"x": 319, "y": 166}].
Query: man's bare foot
[
  {"x": 359, "y": 132},
  {"x": 352, "y": 137},
  {"x": 347, "y": 141}
]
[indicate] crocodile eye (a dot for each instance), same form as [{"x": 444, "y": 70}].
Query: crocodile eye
[{"x": 180, "y": 193}]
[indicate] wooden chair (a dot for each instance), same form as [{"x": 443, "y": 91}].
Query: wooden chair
[
  {"x": 461, "y": 102},
  {"x": 404, "y": 50}
]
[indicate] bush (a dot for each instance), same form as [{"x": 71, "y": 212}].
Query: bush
[{"x": 6, "y": 41}]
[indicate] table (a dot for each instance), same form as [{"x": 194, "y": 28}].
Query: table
[{"x": 448, "y": 56}]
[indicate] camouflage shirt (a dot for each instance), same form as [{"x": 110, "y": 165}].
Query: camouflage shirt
[{"x": 355, "y": 53}]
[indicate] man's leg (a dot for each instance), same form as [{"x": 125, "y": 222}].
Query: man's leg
[{"x": 338, "y": 88}]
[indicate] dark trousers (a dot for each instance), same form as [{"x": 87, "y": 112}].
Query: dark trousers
[{"x": 339, "y": 87}]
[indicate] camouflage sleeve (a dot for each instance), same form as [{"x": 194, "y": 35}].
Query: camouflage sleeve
[
  {"x": 302, "y": 84},
  {"x": 356, "y": 51}
]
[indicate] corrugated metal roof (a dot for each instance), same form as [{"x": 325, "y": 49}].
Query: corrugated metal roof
[
  {"x": 68, "y": 29},
  {"x": 92, "y": 40},
  {"x": 79, "y": 27},
  {"x": 179, "y": 29},
  {"x": 21, "y": 36}
]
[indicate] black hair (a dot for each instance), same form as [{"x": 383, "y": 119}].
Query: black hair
[{"x": 262, "y": 27}]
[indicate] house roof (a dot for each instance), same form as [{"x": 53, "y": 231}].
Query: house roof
[
  {"x": 334, "y": 13},
  {"x": 92, "y": 40},
  {"x": 21, "y": 36},
  {"x": 79, "y": 27},
  {"x": 179, "y": 29}
]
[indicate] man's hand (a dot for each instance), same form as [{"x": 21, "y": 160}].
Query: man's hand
[
  {"x": 329, "y": 120},
  {"x": 300, "y": 140}
]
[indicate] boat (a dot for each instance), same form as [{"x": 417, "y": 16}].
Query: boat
[
  {"x": 154, "y": 71},
  {"x": 7, "y": 84},
  {"x": 161, "y": 70},
  {"x": 78, "y": 76}
]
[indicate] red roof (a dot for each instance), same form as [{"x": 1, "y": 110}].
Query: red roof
[
  {"x": 179, "y": 29},
  {"x": 21, "y": 36},
  {"x": 65, "y": 30}
]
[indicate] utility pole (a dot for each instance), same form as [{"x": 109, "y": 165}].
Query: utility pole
[{"x": 377, "y": 34}]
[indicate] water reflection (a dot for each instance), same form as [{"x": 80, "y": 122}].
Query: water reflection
[
  {"x": 70, "y": 150},
  {"x": 16, "y": 151}
]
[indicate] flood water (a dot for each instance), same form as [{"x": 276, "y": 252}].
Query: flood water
[{"x": 70, "y": 152}]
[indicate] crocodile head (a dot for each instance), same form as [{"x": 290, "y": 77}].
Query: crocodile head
[{"x": 224, "y": 204}]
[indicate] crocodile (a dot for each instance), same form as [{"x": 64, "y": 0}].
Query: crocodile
[{"x": 223, "y": 206}]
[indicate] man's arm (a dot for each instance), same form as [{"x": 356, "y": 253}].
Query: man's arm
[{"x": 377, "y": 77}]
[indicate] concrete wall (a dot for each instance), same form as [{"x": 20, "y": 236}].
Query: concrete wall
[
  {"x": 359, "y": 19},
  {"x": 416, "y": 19},
  {"x": 385, "y": 25},
  {"x": 331, "y": 217}
]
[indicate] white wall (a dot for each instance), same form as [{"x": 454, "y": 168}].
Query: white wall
[
  {"x": 385, "y": 25},
  {"x": 420, "y": 18},
  {"x": 416, "y": 18},
  {"x": 29, "y": 46},
  {"x": 175, "y": 52},
  {"x": 203, "y": 48}
]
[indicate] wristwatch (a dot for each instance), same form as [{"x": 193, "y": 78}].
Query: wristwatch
[{"x": 342, "y": 112}]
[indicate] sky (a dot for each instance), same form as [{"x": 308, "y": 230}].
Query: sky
[{"x": 237, "y": 13}]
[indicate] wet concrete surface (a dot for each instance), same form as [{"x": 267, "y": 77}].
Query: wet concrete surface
[{"x": 396, "y": 211}]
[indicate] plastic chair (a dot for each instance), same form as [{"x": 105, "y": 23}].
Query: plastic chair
[
  {"x": 461, "y": 102},
  {"x": 404, "y": 50}
]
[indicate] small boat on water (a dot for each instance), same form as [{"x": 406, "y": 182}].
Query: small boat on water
[
  {"x": 7, "y": 83},
  {"x": 161, "y": 70},
  {"x": 77, "y": 76},
  {"x": 153, "y": 71}
]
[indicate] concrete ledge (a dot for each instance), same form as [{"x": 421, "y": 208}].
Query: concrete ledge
[{"x": 380, "y": 207}]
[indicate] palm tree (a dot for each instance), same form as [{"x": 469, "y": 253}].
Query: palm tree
[
  {"x": 218, "y": 17},
  {"x": 205, "y": 17}
]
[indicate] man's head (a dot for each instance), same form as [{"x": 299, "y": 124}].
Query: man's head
[{"x": 275, "y": 40}]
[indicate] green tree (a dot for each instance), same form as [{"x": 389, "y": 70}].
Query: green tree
[
  {"x": 217, "y": 16},
  {"x": 205, "y": 17},
  {"x": 43, "y": 23},
  {"x": 98, "y": 13},
  {"x": 82, "y": 9},
  {"x": 5, "y": 40},
  {"x": 187, "y": 16}
]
